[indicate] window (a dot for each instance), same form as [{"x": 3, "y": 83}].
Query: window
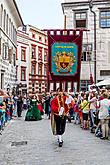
[
  {"x": 45, "y": 55},
  {"x": 33, "y": 35},
  {"x": 33, "y": 69},
  {"x": 104, "y": 72},
  {"x": 16, "y": 72},
  {"x": 17, "y": 53},
  {"x": 4, "y": 21},
  {"x": 86, "y": 52},
  {"x": 45, "y": 40},
  {"x": 39, "y": 69},
  {"x": 23, "y": 74},
  {"x": 14, "y": 59},
  {"x": 33, "y": 52},
  {"x": 105, "y": 19},
  {"x": 84, "y": 85},
  {"x": 10, "y": 27},
  {"x": 10, "y": 52},
  {"x": 5, "y": 51},
  {"x": 13, "y": 33},
  {"x": 39, "y": 53},
  {"x": 11, "y": 30},
  {"x": 7, "y": 24},
  {"x": 45, "y": 70},
  {"x": 33, "y": 87},
  {"x": 23, "y": 54},
  {"x": 81, "y": 20},
  {"x": 40, "y": 86},
  {"x": 1, "y": 16},
  {"x": 40, "y": 38}
]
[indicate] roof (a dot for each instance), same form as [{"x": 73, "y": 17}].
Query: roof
[{"x": 18, "y": 12}]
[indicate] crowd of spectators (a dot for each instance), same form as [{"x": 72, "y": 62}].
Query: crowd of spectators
[
  {"x": 11, "y": 107},
  {"x": 91, "y": 110}
]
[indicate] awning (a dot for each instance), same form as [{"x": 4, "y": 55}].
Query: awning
[{"x": 104, "y": 82}]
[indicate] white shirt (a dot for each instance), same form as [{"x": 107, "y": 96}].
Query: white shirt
[
  {"x": 103, "y": 110},
  {"x": 69, "y": 99}
]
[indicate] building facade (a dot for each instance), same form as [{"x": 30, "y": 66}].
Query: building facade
[
  {"x": 79, "y": 15},
  {"x": 22, "y": 62},
  {"x": 10, "y": 20},
  {"x": 32, "y": 69}
]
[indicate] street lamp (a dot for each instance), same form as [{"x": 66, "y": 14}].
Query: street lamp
[{"x": 91, "y": 7}]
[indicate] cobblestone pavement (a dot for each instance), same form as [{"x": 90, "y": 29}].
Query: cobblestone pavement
[{"x": 80, "y": 147}]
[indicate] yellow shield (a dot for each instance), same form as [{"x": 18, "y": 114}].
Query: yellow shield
[{"x": 64, "y": 61}]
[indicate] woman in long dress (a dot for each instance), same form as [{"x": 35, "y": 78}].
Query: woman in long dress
[{"x": 33, "y": 113}]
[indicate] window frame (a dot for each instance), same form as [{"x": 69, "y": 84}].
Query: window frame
[
  {"x": 24, "y": 70},
  {"x": 40, "y": 53},
  {"x": 80, "y": 12},
  {"x": 100, "y": 19},
  {"x": 87, "y": 51},
  {"x": 16, "y": 72},
  {"x": 45, "y": 70},
  {"x": 104, "y": 72},
  {"x": 34, "y": 66},
  {"x": 23, "y": 49},
  {"x": 84, "y": 85},
  {"x": 39, "y": 67},
  {"x": 33, "y": 47},
  {"x": 45, "y": 55}
]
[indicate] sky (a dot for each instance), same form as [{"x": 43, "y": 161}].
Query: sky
[{"x": 43, "y": 14}]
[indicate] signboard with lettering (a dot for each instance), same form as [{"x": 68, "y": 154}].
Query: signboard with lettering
[{"x": 64, "y": 59}]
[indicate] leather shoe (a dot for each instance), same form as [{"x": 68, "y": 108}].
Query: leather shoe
[
  {"x": 103, "y": 138},
  {"x": 61, "y": 143}
]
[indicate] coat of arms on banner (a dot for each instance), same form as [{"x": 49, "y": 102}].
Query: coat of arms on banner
[
  {"x": 64, "y": 61},
  {"x": 64, "y": 58}
]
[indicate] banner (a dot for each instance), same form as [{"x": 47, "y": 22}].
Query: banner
[
  {"x": 64, "y": 56},
  {"x": 64, "y": 59}
]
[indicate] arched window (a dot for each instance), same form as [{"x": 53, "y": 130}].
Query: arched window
[
  {"x": 7, "y": 20},
  {"x": 11, "y": 30},
  {"x": 9, "y": 27},
  {"x": 4, "y": 20},
  {"x": 13, "y": 33},
  {"x": 1, "y": 15}
]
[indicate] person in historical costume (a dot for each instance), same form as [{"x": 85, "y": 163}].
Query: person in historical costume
[
  {"x": 40, "y": 104},
  {"x": 47, "y": 104},
  {"x": 33, "y": 113},
  {"x": 19, "y": 106},
  {"x": 59, "y": 111}
]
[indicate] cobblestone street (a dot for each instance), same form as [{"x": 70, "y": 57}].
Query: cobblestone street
[{"x": 80, "y": 147}]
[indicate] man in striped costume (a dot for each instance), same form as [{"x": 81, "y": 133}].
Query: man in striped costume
[{"x": 59, "y": 110}]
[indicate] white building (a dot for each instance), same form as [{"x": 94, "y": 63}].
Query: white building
[
  {"x": 31, "y": 62},
  {"x": 10, "y": 20},
  {"x": 78, "y": 15},
  {"x": 22, "y": 62}
]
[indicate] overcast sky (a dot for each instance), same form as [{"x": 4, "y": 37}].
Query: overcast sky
[{"x": 43, "y": 14}]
